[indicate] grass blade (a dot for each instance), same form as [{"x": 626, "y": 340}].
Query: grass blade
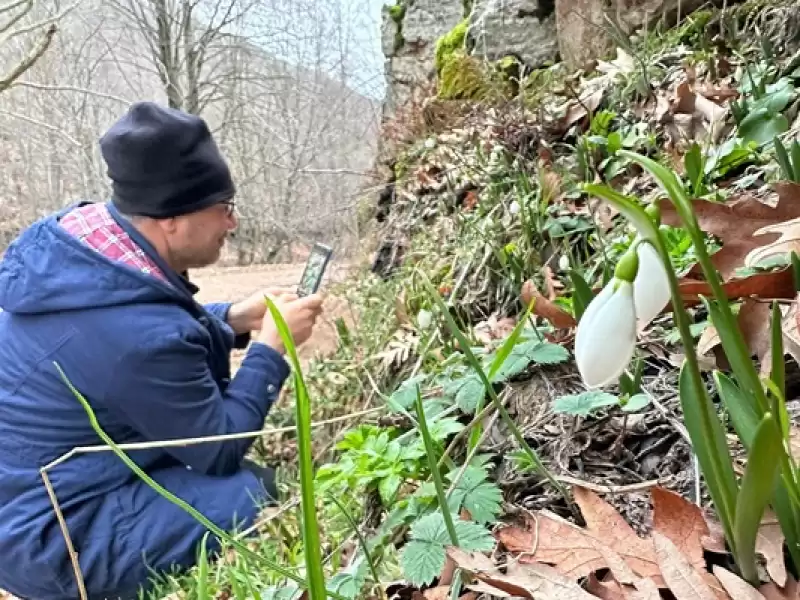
[
  {"x": 709, "y": 444},
  {"x": 311, "y": 538},
  {"x": 202, "y": 571},
  {"x": 435, "y": 474},
  {"x": 778, "y": 370},
  {"x": 362, "y": 542},
  {"x": 796, "y": 162},
  {"x": 743, "y": 416},
  {"x": 508, "y": 345},
  {"x": 783, "y": 158},
  {"x": 582, "y": 294}
]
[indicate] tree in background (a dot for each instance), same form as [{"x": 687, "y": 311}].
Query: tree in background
[{"x": 281, "y": 83}]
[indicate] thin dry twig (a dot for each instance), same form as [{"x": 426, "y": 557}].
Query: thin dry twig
[
  {"x": 610, "y": 489},
  {"x": 73, "y": 556},
  {"x": 201, "y": 440}
]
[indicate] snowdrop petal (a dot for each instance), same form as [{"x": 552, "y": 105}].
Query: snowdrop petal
[
  {"x": 651, "y": 286},
  {"x": 595, "y": 307},
  {"x": 605, "y": 343},
  {"x": 424, "y": 319}
]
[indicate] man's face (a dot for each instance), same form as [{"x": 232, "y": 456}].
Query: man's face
[{"x": 196, "y": 239}]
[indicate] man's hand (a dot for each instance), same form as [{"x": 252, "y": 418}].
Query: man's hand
[
  {"x": 300, "y": 316},
  {"x": 247, "y": 315}
]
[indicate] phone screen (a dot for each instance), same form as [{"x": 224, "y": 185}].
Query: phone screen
[{"x": 315, "y": 269}]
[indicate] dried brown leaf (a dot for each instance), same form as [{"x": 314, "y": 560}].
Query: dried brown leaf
[
  {"x": 545, "y": 308},
  {"x": 736, "y": 222},
  {"x": 440, "y": 592},
  {"x": 579, "y": 109},
  {"x": 791, "y": 591},
  {"x": 490, "y": 590},
  {"x": 609, "y": 589},
  {"x": 682, "y": 522},
  {"x": 607, "y": 541},
  {"x": 736, "y": 587},
  {"x": 771, "y": 285},
  {"x": 683, "y": 580},
  {"x": 769, "y": 544},
  {"x": 754, "y": 323},
  {"x": 788, "y": 241},
  {"x": 555, "y": 541},
  {"x": 608, "y": 527},
  {"x": 522, "y": 580}
]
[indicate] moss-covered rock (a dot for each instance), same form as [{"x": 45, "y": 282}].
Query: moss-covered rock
[
  {"x": 464, "y": 77},
  {"x": 450, "y": 43},
  {"x": 396, "y": 13}
]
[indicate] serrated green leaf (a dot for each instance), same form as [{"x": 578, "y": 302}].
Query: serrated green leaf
[
  {"x": 467, "y": 392},
  {"x": 516, "y": 362},
  {"x": 388, "y": 487},
  {"x": 545, "y": 353},
  {"x": 583, "y": 404},
  {"x": 406, "y": 392},
  {"x": 442, "y": 428},
  {"x": 422, "y": 561},
  {"x": 290, "y": 592},
  {"x": 350, "y": 581},
  {"x": 527, "y": 352},
  {"x": 473, "y": 537},
  {"x": 424, "y": 555},
  {"x": 473, "y": 492}
]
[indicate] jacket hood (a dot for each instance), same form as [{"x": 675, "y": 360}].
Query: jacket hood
[{"x": 46, "y": 270}]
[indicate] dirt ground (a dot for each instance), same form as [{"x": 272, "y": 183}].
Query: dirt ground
[{"x": 229, "y": 284}]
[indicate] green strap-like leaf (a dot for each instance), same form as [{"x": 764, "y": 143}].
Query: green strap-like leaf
[
  {"x": 757, "y": 488},
  {"x": 311, "y": 538}
]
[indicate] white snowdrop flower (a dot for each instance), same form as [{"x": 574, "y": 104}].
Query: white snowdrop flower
[
  {"x": 563, "y": 262},
  {"x": 514, "y": 208},
  {"x": 606, "y": 335},
  {"x": 430, "y": 143},
  {"x": 424, "y": 319},
  {"x": 651, "y": 291}
]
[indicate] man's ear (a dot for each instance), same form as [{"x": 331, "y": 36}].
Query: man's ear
[{"x": 169, "y": 226}]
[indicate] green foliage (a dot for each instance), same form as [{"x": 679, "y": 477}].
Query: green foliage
[
  {"x": 587, "y": 403},
  {"x": 424, "y": 555},
  {"x": 451, "y": 42},
  {"x": 757, "y": 409},
  {"x": 789, "y": 163}
]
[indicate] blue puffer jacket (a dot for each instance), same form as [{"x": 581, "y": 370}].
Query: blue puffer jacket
[{"x": 154, "y": 365}]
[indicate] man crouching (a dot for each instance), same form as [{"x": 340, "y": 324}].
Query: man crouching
[{"x": 99, "y": 289}]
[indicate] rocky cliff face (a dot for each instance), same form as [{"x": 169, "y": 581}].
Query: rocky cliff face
[
  {"x": 535, "y": 32},
  {"x": 525, "y": 29}
]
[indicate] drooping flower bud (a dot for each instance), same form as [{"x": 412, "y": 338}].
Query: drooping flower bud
[
  {"x": 654, "y": 212},
  {"x": 651, "y": 291},
  {"x": 606, "y": 335}
]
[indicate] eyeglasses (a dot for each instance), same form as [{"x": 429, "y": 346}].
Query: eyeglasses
[{"x": 230, "y": 207}]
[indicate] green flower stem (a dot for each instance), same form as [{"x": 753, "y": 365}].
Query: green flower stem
[
  {"x": 670, "y": 183},
  {"x": 719, "y": 473}
]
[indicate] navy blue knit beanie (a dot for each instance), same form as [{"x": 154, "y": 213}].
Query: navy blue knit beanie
[{"x": 163, "y": 163}]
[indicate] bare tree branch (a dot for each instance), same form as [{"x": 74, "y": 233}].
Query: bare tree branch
[{"x": 28, "y": 61}]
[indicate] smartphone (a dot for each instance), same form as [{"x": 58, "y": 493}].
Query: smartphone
[{"x": 315, "y": 269}]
